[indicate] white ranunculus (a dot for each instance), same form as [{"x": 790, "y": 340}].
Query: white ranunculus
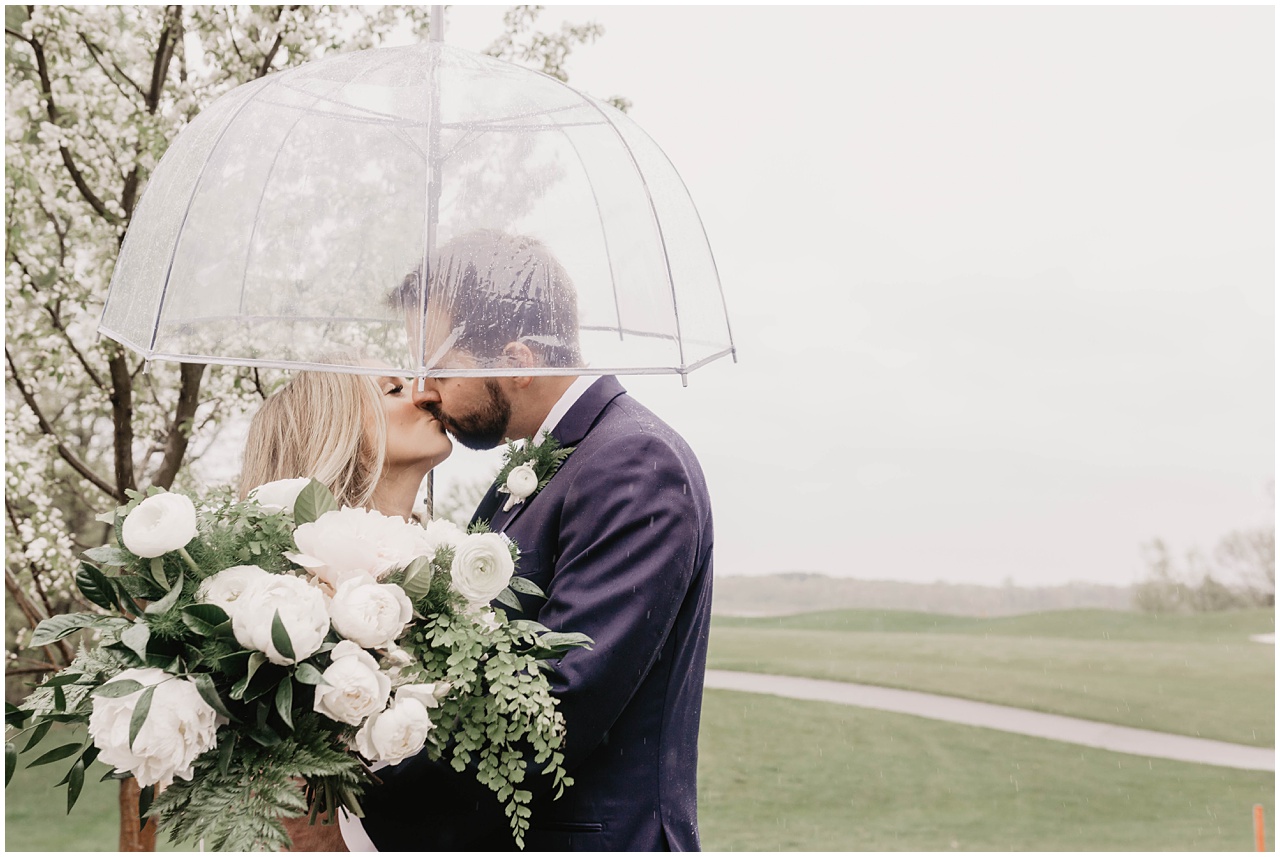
[
  {"x": 302, "y": 609},
  {"x": 482, "y": 567},
  {"x": 280, "y": 495},
  {"x": 225, "y": 588},
  {"x": 179, "y": 727},
  {"x": 521, "y": 483},
  {"x": 370, "y": 613},
  {"x": 428, "y": 694},
  {"x": 349, "y": 542},
  {"x": 356, "y": 687},
  {"x": 159, "y": 524},
  {"x": 396, "y": 733}
]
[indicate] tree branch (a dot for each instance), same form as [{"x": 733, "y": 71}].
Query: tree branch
[
  {"x": 67, "y": 454},
  {"x": 122, "y": 417},
  {"x": 94, "y": 52},
  {"x": 180, "y": 429},
  {"x": 46, "y": 85}
]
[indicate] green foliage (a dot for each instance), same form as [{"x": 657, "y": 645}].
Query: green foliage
[{"x": 544, "y": 457}]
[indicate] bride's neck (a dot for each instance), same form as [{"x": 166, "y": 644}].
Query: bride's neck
[{"x": 397, "y": 492}]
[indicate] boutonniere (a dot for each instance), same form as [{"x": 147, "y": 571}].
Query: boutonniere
[{"x": 529, "y": 468}]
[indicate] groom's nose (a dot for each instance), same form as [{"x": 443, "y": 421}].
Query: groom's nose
[{"x": 425, "y": 393}]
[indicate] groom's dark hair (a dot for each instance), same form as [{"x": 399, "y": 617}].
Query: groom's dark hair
[{"x": 498, "y": 288}]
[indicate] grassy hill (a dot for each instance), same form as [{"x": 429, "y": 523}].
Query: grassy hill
[
  {"x": 1188, "y": 675},
  {"x": 800, "y": 592}
]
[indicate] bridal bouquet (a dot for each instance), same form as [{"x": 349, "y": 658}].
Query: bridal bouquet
[{"x": 241, "y": 645}]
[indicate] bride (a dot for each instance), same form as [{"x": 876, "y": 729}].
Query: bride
[{"x": 364, "y": 439}]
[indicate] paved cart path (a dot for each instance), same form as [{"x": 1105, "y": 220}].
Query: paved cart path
[{"x": 1089, "y": 733}]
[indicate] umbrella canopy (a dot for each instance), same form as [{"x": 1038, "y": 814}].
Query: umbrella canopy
[{"x": 388, "y": 209}]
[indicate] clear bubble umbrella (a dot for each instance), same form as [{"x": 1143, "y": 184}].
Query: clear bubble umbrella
[{"x": 332, "y": 215}]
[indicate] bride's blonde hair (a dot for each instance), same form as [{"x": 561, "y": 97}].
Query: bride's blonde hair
[{"x": 327, "y": 425}]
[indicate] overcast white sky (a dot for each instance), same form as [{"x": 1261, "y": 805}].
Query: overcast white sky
[{"x": 1001, "y": 279}]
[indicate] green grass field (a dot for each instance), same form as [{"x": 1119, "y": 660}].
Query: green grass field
[
  {"x": 1190, "y": 675},
  {"x": 784, "y": 775}
]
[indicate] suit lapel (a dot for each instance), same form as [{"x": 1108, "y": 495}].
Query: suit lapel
[{"x": 570, "y": 431}]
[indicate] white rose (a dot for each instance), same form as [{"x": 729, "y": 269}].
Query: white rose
[
  {"x": 349, "y": 542},
  {"x": 395, "y": 734},
  {"x": 428, "y": 694},
  {"x": 521, "y": 482},
  {"x": 302, "y": 609},
  {"x": 225, "y": 588},
  {"x": 179, "y": 727},
  {"x": 356, "y": 687},
  {"x": 280, "y": 495},
  {"x": 370, "y": 613},
  {"x": 482, "y": 567},
  {"x": 159, "y": 524}
]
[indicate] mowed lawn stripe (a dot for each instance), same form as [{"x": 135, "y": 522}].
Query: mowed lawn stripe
[{"x": 1222, "y": 691}]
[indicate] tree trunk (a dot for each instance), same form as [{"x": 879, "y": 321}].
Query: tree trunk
[{"x": 131, "y": 837}]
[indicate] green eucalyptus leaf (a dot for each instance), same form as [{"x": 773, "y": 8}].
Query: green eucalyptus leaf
[
  {"x": 75, "y": 782},
  {"x": 525, "y": 586},
  {"x": 157, "y": 572},
  {"x": 508, "y": 598},
  {"x": 263, "y": 736},
  {"x": 53, "y": 629},
  {"x": 145, "y": 796},
  {"x": 226, "y": 753},
  {"x": 140, "y": 712},
  {"x": 108, "y": 555},
  {"x": 417, "y": 578},
  {"x": 10, "y": 761},
  {"x": 63, "y": 679},
  {"x": 96, "y": 587},
  {"x": 37, "y": 735},
  {"x": 280, "y": 637},
  {"x": 207, "y": 620},
  {"x": 13, "y": 715},
  {"x": 136, "y": 637},
  {"x": 117, "y": 688},
  {"x": 313, "y": 501},
  {"x": 57, "y": 754},
  {"x": 256, "y": 659},
  {"x": 164, "y": 605},
  {"x": 89, "y": 755},
  {"x": 209, "y": 693},
  {"x": 308, "y": 674},
  {"x": 284, "y": 702}
]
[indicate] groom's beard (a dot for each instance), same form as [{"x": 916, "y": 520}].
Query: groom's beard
[{"x": 483, "y": 428}]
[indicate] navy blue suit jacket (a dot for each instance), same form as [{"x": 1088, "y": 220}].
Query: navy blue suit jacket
[{"x": 621, "y": 542}]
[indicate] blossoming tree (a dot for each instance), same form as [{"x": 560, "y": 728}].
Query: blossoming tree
[{"x": 93, "y": 96}]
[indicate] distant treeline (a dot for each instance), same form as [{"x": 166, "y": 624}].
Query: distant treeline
[{"x": 802, "y": 592}]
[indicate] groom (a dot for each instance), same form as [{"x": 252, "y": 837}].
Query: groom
[{"x": 620, "y": 540}]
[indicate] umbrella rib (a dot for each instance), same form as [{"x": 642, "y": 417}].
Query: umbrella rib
[{"x": 604, "y": 234}]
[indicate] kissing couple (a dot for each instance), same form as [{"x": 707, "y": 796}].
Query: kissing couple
[{"x": 619, "y": 539}]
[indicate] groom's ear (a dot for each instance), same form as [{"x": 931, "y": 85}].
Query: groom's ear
[{"x": 518, "y": 354}]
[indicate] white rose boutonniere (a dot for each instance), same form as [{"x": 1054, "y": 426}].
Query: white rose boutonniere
[
  {"x": 529, "y": 468},
  {"x": 179, "y": 727},
  {"x": 159, "y": 524}
]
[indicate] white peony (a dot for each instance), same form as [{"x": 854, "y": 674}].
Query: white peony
[
  {"x": 280, "y": 495},
  {"x": 370, "y": 613},
  {"x": 356, "y": 688},
  {"x": 349, "y": 542},
  {"x": 302, "y": 609},
  {"x": 225, "y": 588},
  {"x": 159, "y": 524},
  {"x": 482, "y": 567},
  {"x": 179, "y": 727},
  {"x": 521, "y": 482},
  {"x": 443, "y": 533},
  {"x": 396, "y": 733}
]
